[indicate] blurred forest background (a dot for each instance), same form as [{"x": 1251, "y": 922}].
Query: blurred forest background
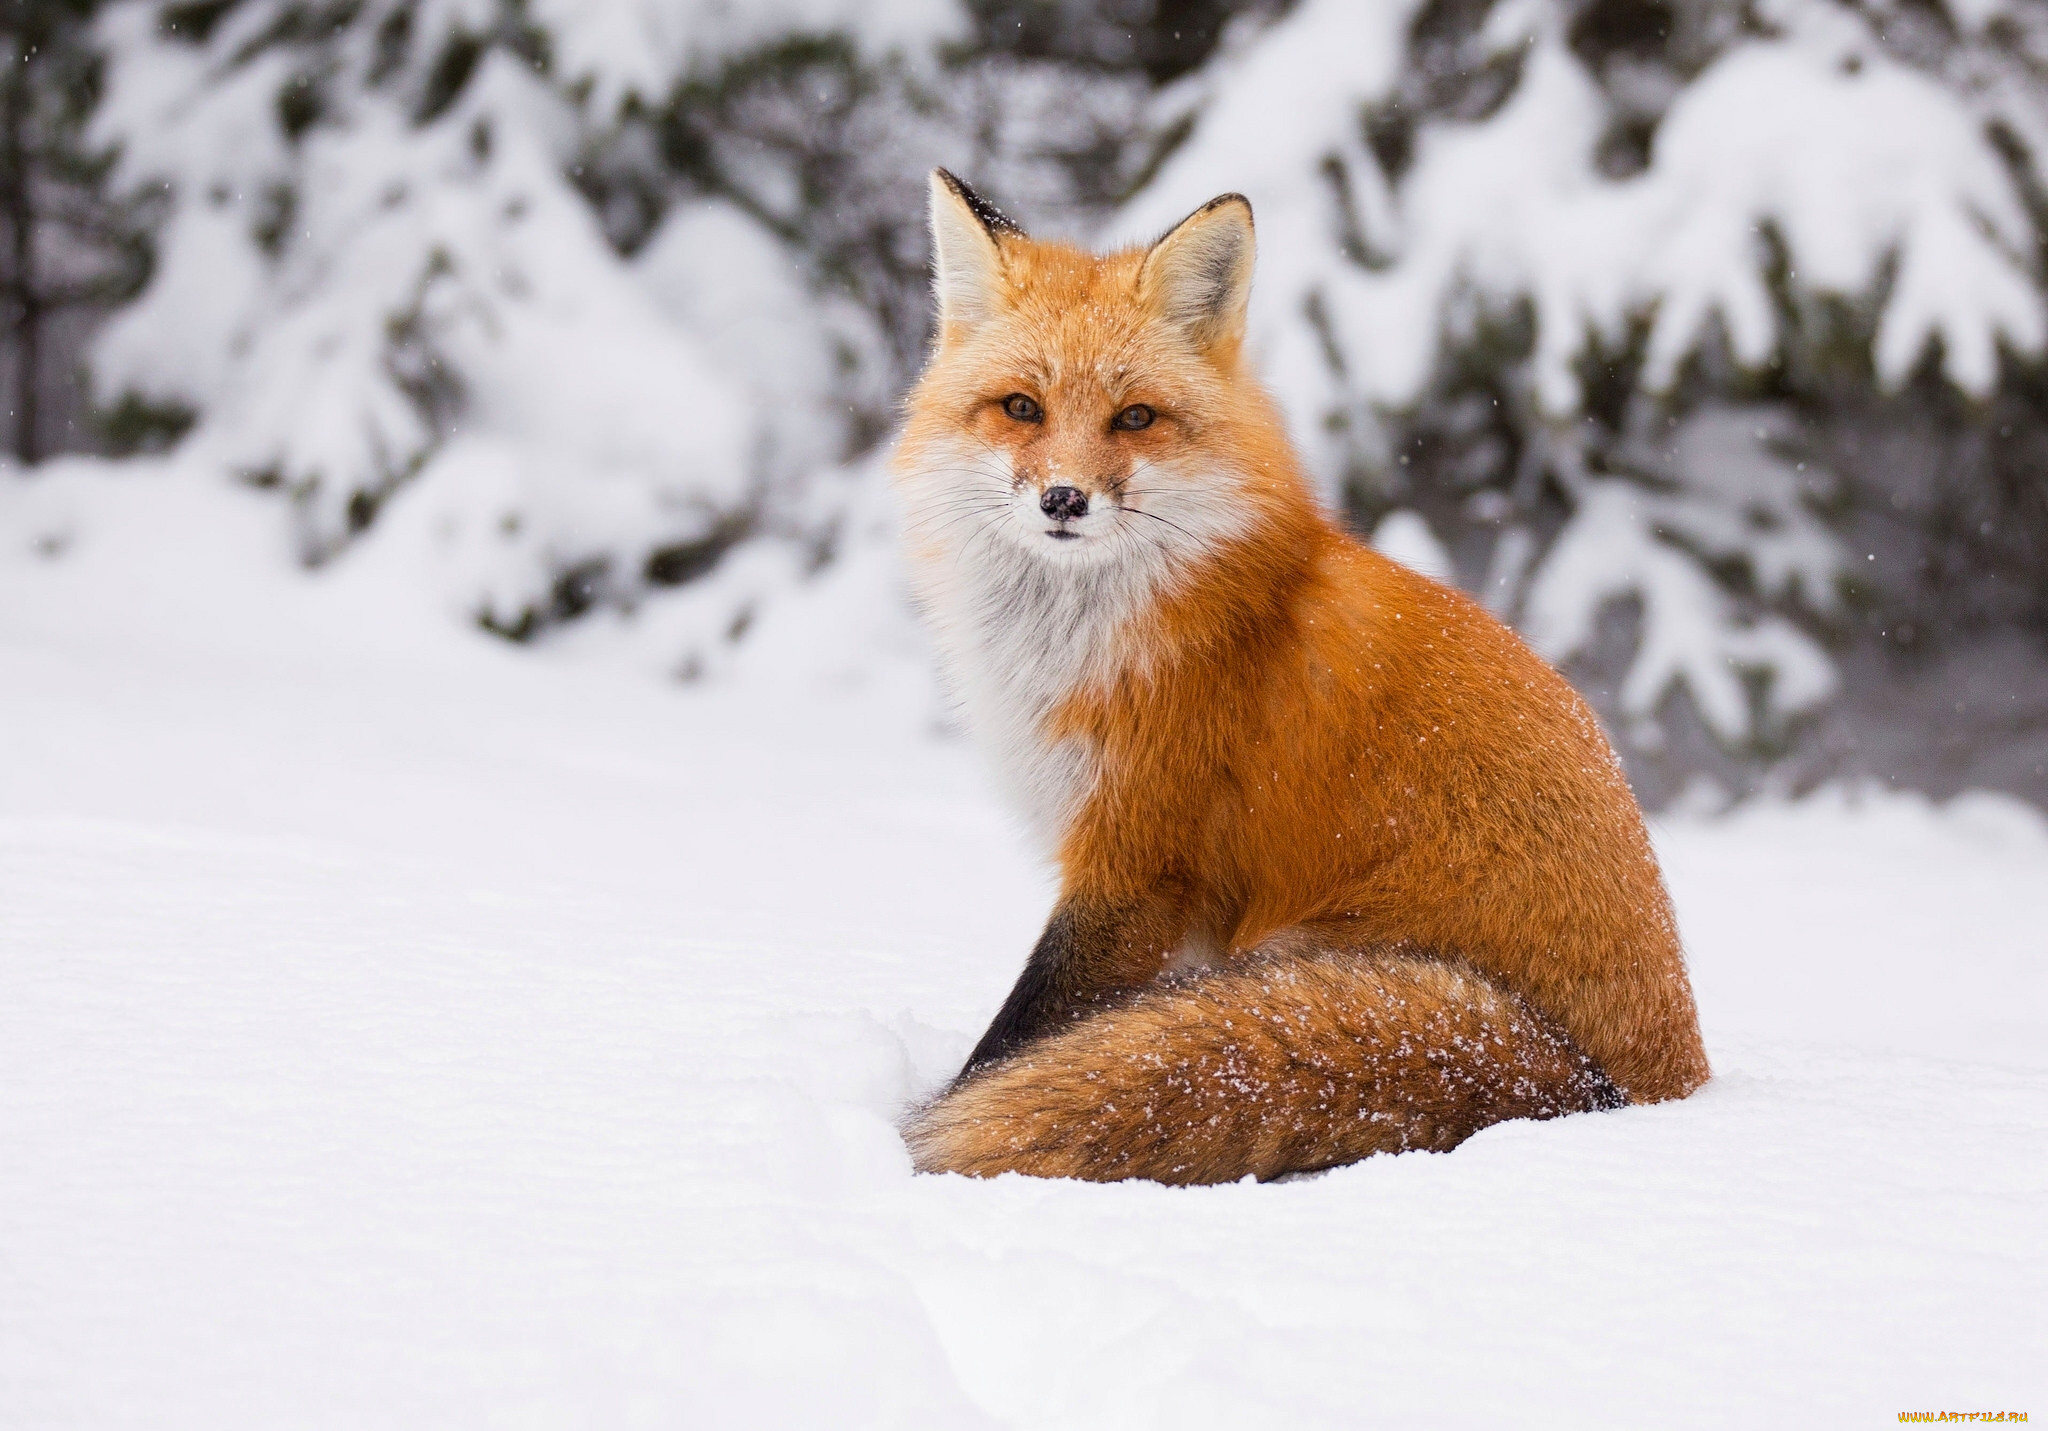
[{"x": 1704, "y": 339}]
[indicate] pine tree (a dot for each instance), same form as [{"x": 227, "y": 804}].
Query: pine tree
[
  {"x": 596, "y": 295},
  {"x": 1704, "y": 335}
]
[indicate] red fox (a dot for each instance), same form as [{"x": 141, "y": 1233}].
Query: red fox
[{"x": 1345, "y": 868}]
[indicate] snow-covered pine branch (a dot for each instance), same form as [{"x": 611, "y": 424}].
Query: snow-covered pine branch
[
  {"x": 1554, "y": 261},
  {"x": 571, "y": 301},
  {"x": 378, "y": 274}
]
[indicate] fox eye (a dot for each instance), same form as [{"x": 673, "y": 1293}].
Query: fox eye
[
  {"x": 1135, "y": 418},
  {"x": 1022, "y": 408}
]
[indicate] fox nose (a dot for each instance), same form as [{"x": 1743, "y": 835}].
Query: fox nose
[{"x": 1064, "y": 503}]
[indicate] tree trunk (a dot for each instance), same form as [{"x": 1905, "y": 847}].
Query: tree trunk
[{"x": 17, "y": 202}]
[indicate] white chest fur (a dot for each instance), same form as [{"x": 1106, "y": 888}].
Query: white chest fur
[
  {"x": 1019, "y": 636},
  {"x": 1024, "y": 623}
]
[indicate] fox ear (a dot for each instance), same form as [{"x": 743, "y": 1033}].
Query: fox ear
[
  {"x": 967, "y": 259},
  {"x": 1200, "y": 273}
]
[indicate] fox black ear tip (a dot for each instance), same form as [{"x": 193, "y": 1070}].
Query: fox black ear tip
[
  {"x": 994, "y": 220},
  {"x": 1226, "y": 200}
]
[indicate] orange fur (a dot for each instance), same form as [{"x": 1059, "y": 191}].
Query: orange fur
[
  {"x": 1276, "y": 1066},
  {"x": 1293, "y": 746}
]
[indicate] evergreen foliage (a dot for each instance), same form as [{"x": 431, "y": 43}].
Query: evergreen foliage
[
  {"x": 1701, "y": 338},
  {"x": 65, "y": 243},
  {"x": 1701, "y": 334}
]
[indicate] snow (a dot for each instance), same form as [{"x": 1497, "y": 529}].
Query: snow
[
  {"x": 1889, "y": 167},
  {"x": 1689, "y": 637},
  {"x": 439, "y": 308},
  {"x": 637, "y": 48},
  {"x": 712, "y": 270},
  {"x": 397, "y": 1029},
  {"x": 1405, "y": 536}
]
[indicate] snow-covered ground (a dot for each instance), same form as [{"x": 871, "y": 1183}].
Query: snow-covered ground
[{"x": 400, "y": 1030}]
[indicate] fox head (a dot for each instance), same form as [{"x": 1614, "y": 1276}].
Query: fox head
[{"x": 1089, "y": 410}]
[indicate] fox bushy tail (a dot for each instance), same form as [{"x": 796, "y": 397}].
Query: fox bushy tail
[{"x": 1285, "y": 1064}]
